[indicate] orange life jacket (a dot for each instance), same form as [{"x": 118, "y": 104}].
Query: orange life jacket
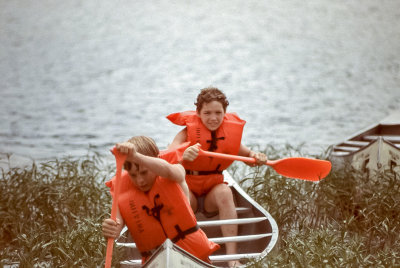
[
  {"x": 163, "y": 212},
  {"x": 226, "y": 139}
]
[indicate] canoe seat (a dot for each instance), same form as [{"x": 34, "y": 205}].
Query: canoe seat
[
  {"x": 231, "y": 221},
  {"x": 355, "y": 143},
  {"x": 213, "y": 258},
  {"x": 218, "y": 240},
  {"x": 132, "y": 263},
  {"x": 239, "y": 238},
  {"x": 346, "y": 148},
  {"x": 391, "y": 138},
  {"x": 241, "y": 210},
  {"x": 233, "y": 257},
  {"x": 219, "y": 258},
  {"x": 339, "y": 153},
  {"x": 219, "y": 223}
]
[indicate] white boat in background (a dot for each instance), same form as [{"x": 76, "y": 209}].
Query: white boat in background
[
  {"x": 375, "y": 148},
  {"x": 257, "y": 235}
]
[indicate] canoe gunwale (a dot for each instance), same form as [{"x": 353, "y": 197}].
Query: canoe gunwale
[
  {"x": 267, "y": 239},
  {"x": 373, "y": 130},
  {"x": 375, "y": 147}
]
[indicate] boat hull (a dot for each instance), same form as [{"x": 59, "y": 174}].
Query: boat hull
[
  {"x": 257, "y": 235},
  {"x": 169, "y": 255},
  {"x": 376, "y": 148}
]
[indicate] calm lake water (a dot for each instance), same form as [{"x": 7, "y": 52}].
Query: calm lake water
[{"x": 78, "y": 73}]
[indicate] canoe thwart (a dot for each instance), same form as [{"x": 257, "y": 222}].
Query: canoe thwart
[{"x": 231, "y": 221}]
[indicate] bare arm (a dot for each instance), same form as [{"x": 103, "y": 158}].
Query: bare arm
[
  {"x": 191, "y": 152},
  {"x": 162, "y": 168},
  {"x": 179, "y": 139},
  {"x": 174, "y": 172},
  {"x": 260, "y": 157},
  {"x": 156, "y": 165}
]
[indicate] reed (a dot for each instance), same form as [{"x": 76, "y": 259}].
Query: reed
[
  {"x": 51, "y": 215},
  {"x": 345, "y": 220}
]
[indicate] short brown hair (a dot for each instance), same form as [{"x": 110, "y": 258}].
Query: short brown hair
[
  {"x": 145, "y": 145},
  {"x": 210, "y": 94}
]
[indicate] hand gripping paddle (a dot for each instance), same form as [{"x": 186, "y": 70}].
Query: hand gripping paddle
[
  {"x": 120, "y": 159},
  {"x": 292, "y": 167}
]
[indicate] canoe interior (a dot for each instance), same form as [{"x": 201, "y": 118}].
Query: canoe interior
[
  {"x": 247, "y": 211},
  {"x": 373, "y": 148},
  {"x": 255, "y": 239},
  {"x": 379, "y": 130},
  {"x": 390, "y": 133}
]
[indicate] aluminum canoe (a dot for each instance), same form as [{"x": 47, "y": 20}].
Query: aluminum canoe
[{"x": 257, "y": 235}]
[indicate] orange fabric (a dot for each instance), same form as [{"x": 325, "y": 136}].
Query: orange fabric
[
  {"x": 228, "y": 139},
  {"x": 153, "y": 216},
  {"x": 174, "y": 156},
  {"x": 202, "y": 184}
]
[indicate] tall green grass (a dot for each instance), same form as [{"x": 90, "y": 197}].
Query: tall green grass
[
  {"x": 345, "y": 220},
  {"x": 51, "y": 214}
]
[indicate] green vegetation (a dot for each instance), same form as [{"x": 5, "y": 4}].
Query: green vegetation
[
  {"x": 345, "y": 220},
  {"x": 51, "y": 214}
]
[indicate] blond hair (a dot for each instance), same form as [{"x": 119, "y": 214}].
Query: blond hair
[{"x": 145, "y": 145}]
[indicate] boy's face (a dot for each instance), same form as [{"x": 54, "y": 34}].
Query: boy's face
[
  {"x": 212, "y": 114},
  {"x": 141, "y": 177}
]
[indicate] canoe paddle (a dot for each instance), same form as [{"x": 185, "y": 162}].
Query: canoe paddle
[
  {"x": 292, "y": 167},
  {"x": 119, "y": 159}
]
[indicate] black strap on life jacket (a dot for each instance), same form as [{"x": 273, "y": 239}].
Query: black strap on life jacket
[
  {"x": 156, "y": 213},
  {"x": 213, "y": 147},
  {"x": 182, "y": 234},
  {"x": 213, "y": 142},
  {"x": 193, "y": 172},
  {"x": 156, "y": 210}
]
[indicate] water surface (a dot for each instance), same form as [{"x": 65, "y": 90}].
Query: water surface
[{"x": 79, "y": 73}]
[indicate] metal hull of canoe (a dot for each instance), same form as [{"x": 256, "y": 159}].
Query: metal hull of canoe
[
  {"x": 169, "y": 255},
  {"x": 257, "y": 235},
  {"x": 372, "y": 149},
  {"x": 378, "y": 155}
]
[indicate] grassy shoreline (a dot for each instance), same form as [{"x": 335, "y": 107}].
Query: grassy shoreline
[{"x": 51, "y": 213}]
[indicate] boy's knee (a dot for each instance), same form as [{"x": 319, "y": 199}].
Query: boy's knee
[{"x": 224, "y": 195}]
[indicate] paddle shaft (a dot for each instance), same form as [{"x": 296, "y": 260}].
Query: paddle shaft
[
  {"x": 120, "y": 159},
  {"x": 292, "y": 167},
  {"x": 250, "y": 160}
]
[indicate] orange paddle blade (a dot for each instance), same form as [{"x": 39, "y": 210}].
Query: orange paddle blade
[
  {"x": 119, "y": 159},
  {"x": 293, "y": 167},
  {"x": 301, "y": 168}
]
